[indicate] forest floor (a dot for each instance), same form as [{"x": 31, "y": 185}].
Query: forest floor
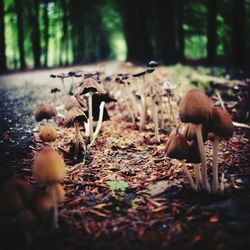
[{"x": 128, "y": 194}]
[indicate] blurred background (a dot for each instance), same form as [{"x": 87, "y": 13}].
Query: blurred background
[{"x": 49, "y": 33}]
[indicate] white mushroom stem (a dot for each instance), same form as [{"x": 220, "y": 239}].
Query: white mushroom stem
[
  {"x": 136, "y": 110},
  {"x": 90, "y": 116},
  {"x": 130, "y": 110},
  {"x": 99, "y": 124},
  {"x": 155, "y": 117},
  {"x": 76, "y": 140},
  {"x": 222, "y": 185},
  {"x": 197, "y": 175},
  {"x": 171, "y": 109},
  {"x": 204, "y": 179},
  {"x": 162, "y": 114},
  {"x": 73, "y": 84},
  {"x": 64, "y": 87},
  {"x": 53, "y": 195},
  {"x": 190, "y": 178},
  {"x": 215, "y": 184},
  {"x": 144, "y": 106}
]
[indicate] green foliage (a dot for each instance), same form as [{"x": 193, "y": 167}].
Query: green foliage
[{"x": 118, "y": 185}]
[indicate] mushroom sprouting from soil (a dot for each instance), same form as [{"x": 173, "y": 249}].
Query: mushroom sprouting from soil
[
  {"x": 61, "y": 76},
  {"x": 195, "y": 107},
  {"x": 49, "y": 168},
  {"x": 48, "y": 133},
  {"x": 73, "y": 74},
  {"x": 55, "y": 92},
  {"x": 91, "y": 86},
  {"x": 178, "y": 148},
  {"x": 45, "y": 112},
  {"x": 142, "y": 75},
  {"x": 72, "y": 102},
  {"x": 155, "y": 92},
  {"x": 75, "y": 116},
  {"x": 222, "y": 127}
]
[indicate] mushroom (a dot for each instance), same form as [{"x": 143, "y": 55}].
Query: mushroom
[
  {"x": 91, "y": 86},
  {"x": 152, "y": 64},
  {"x": 222, "y": 127},
  {"x": 44, "y": 111},
  {"x": 43, "y": 204},
  {"x": 75, "y": 116},
  {"x": 55, "y": 92},
  {"x": 195, "y": 107},
  {"x": 49, "y": 168},
  {"x": 177, "y": 148},
  {"x": 61, "y": 76},
  {"x": 48, "y": 133},
  {"x": 71, "y": 102},
  {"x": 154, "y": 91}
]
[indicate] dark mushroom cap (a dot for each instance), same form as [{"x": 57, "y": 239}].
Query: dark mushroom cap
[
  {"x": 195, "y": 107},
  {"x": 91, "y": 85},
  {"x": 152, "y": 64},
  {"x": 44, "y": 111},
  {"x": 177, "y": 147},
  {"x": 74, "y": 115},
  {"x": 71, "y": 102},
  {"x": 53, "y": 76},
  {"x": 71, "y": 73},
  {"x": 221, "y": 123},
  {"x": 193, "y": 153},
  {"x": 62, "y": 75},
  {"x": 190, "y": 133},
  {"x": 54, "y": 90}
]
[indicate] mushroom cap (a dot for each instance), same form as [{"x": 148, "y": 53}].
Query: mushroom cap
[
  {"x": 44, "y": 111},
  {"x": 177, "y": 147},
  {"x": 48, "y": 133},
  {"x": 153, "y": 90},
  {"x": 91, "y": 85},
  {"x": 190, "y": 133},
  {"x": 195, "y": 107},
  {"x": 74, "y": 115},
  {"x": 152, "y": 64},
  {"x": 193, "y": 153},
  {"x": 54, "y": 90},
  {"x": 221, "y": 123},
  {"x": 18, "y": 194},
  {"x": 49, "y": 166},
  {"x": 60, "y": 193},
  {"x": 71, "y": 102},
  {"x": 44, "y": 203}
]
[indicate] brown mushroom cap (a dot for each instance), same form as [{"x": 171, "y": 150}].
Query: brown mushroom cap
[
  {"x": 44, "y": 111},
  {"x": 221, "y": 123},
  {"x": 190, "y": 133},
  {"x": 195, "y": 107},
  {"x": 74, "y": 114},
  {"x": 48, "y": 133},
  {"x": 193, "y": 153},
  {"x": 91, "y": 85},
  {"x": 49, "y": 166},
  {"x": 71, "y": 102},
  {"x": 177, "y": 147}
]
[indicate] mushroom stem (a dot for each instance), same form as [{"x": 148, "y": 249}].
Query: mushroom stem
[
  {"x": 162, "y": 114},
  {"x": 132, "y": 98},
  {"x": 90, "y": 116},
  {"x": 52, "y": 192},
  {"x": 73, "y": 84},
  {"x": 144, "y": 107},
  {"x": 171, "y": 110},
  {"x": 215, "y": 184},
  {"x": 130, "y": 111},
  {"x": 222, "y": 185},
  {"x": 155, "y": 117},
  {"x": 64, "y": 87},
  {"x": 204, "y": 179},
  {"x": 190, "y": 178},
  {"x": 99, "y": 124},
  {"x": 197, "y": 175},
  {"x": 77, "y": 140}
]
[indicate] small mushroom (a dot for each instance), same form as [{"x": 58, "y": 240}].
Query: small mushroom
[
  {"x": 222, "y": 127},
  {"x": 177, "y": 148},
  {"x": 152, "y": 64},
  {"x": 91, "y": 86},
  {"x": 195, "y": 107},
  {"x": 48, "y": 133},
  {"x": 49, "y": 168},
  {"x": 45, "y": 111},
  {"x": 61, "y": 76},
  {"x": 71, "y": 102}
]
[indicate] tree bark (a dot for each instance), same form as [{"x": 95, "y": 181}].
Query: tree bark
[
  {"x": 238, "y": 33},
  {"x": 211, "y": 31},
  {"x": 19, "y": 12},
  {"x": 3, "y": 66},
  {"x": 46, "y": 33}
]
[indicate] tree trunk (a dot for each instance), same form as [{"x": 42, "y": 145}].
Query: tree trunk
[
  {"x": 166, "y": 31},
  {"x": 46, "y": 33},
  {"x": 19, "y": 12},
  {"x": 64, "y": 39},
  {"x": 181, "y": 35},
  {"x": 3, "y": 66},
  {"x": 238, "y": 33},
  {"x": 211, "y": 31},
  {"x": 33, "y": 9}
]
